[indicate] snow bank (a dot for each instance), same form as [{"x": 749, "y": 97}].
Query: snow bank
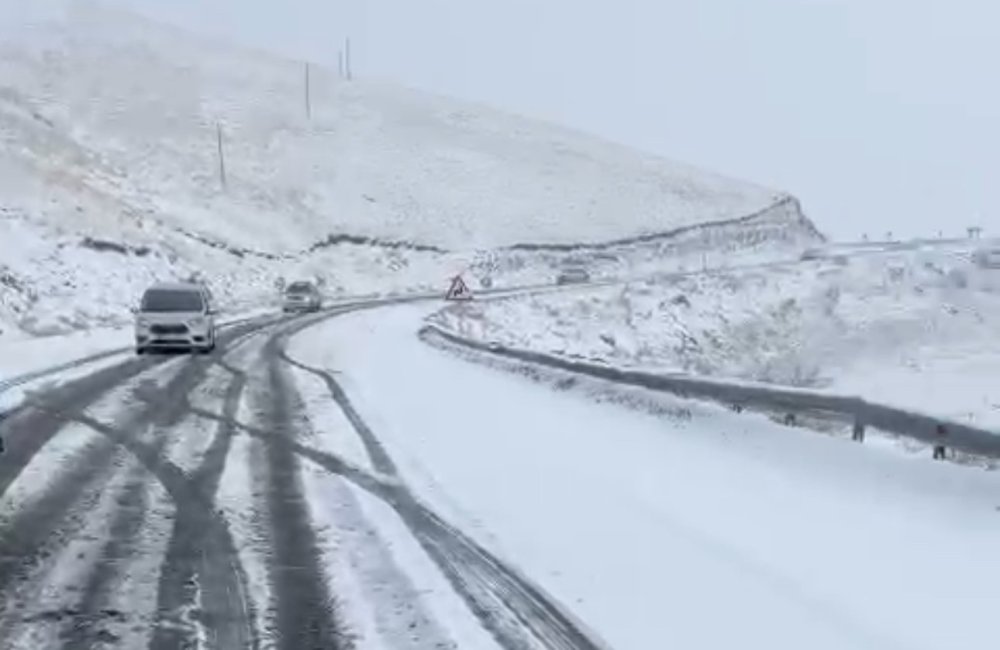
[
  {"x": 654, "y": 530},
  {"x": 915, "y": 329}
]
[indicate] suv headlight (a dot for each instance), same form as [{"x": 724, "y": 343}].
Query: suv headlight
[{"x": 199, "y": 322}]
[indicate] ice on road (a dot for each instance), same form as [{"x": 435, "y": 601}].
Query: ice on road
[{"x": 719, "y": 530}]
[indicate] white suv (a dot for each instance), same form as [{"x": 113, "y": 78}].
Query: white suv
[{"x": 173, "y": 316}]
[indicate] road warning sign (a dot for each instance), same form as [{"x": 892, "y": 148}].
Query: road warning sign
[{"x": 458, "y": 290}]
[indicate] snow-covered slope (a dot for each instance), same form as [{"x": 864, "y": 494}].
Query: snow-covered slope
[
  {"x": 373, "y": 160},
  {"x": 144, "y": 102},
  {"x": 915, "y": 328},
  {"x": 108, "y": 133}
]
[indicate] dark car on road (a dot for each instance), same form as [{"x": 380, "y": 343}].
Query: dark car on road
[{"x": 301, "y": 297}]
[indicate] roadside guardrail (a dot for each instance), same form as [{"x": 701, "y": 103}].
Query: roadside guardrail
[{"x": 852, "y": 410}]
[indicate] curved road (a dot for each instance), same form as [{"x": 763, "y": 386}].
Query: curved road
[{"x": 111, "y": 533}]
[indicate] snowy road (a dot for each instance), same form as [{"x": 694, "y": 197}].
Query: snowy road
[
  {"x": 334, "y": 482},
  {"x": 165, "y": 502}
]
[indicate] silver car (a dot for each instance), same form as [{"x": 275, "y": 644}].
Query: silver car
[
  {"x": 301, "y": 296},
  {"x": 573, "y": 275},
  {"x": 175, "y": 316}
]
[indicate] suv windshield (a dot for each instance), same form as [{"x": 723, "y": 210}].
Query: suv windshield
[
  {"x": 172, "y": 300},
  {"x": 300, "y": 287}
]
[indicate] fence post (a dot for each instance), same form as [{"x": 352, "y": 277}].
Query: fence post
[
  {"x": 940, "y": 451},
  {"x": 222, "y": 155},
  {"x": 858, "y": 431},
  {"x": 347, "y": 60},
  {"x": 308, "y": 95}
]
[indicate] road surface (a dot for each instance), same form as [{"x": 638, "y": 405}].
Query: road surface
[{"x": 330, "y": 481}]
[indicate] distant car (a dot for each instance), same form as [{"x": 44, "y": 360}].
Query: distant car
[
  {"x": 175, "y": 316},
  {"x": 988, "y": 258},
  {"x": 301, "y": 297},
  {"x": 573, "y": 275},
  {"x": 813, "y": 254}
]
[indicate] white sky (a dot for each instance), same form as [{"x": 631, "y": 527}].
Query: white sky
[{"x": 879, "y": 114}]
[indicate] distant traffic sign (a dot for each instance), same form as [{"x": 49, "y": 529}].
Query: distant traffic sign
[{"x": 458, "y": 290}]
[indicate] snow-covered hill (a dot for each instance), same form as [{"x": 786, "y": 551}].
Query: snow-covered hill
[
  {"x": 916, "y": 328},
  {"x": 374, "y": 160},
  {"x": 108, "y": 134}
]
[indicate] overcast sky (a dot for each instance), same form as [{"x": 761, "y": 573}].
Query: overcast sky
[{"x": 879, "y": 114}]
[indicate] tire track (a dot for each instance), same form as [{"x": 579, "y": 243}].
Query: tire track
[
  {"x": 218, "y": 567},
  {"x": 82, "y": 624},
  {"x": 190, "y": 553},
  {"x": 35, "y": 535},
  {"x": 42, "y": 530},
  {"x": 190, "y": 576},
  {"x": 517, "y": 613},
  {"x": 35, "y": 532},
  {"x": 160, "y": 412},
  {"x": 28, "y": 428},
  {"x": 305, "y": 616},
  {"x": 32, "y": 427},
  {"x": 380, "y": 458},
  {"x": 30, "y": 535},
  {"x": 87, "y": 623}
]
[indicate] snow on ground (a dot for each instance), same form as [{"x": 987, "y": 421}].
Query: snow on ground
[
  {"x": 40, "y": 369},
  {"x": 338, "y": 436},
  {"x": 237, "y": 502},
  {"x": 913, "y": 328},
  {"x": 38, "y": 475},
  {"x": 136, "y": 583},
  {"x": 109, "y": 177},
  {"x": 718, "y": 530},
  {"x": 69, "y": 563},
  {"x": 389, "y": 592},
  {"x": 54, "y": 282},
  {"x": 29, "y": 354}
]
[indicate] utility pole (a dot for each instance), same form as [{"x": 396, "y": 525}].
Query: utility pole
[
  {"x": 347, "y": 60},
  {"x": 340, "y": 63},
  {"x": 222, "y": 155},
  {"x": 308, "y": 98}
]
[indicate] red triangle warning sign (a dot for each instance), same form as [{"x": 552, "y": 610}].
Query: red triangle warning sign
[{"x": 458, "y": 290}]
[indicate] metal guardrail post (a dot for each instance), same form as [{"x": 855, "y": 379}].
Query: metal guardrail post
[
  {"x": 858, "y": 430},
  {"x": 940, "y": 451}
]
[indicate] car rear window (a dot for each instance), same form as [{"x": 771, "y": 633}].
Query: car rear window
[{"x": 166, "y": 300}]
